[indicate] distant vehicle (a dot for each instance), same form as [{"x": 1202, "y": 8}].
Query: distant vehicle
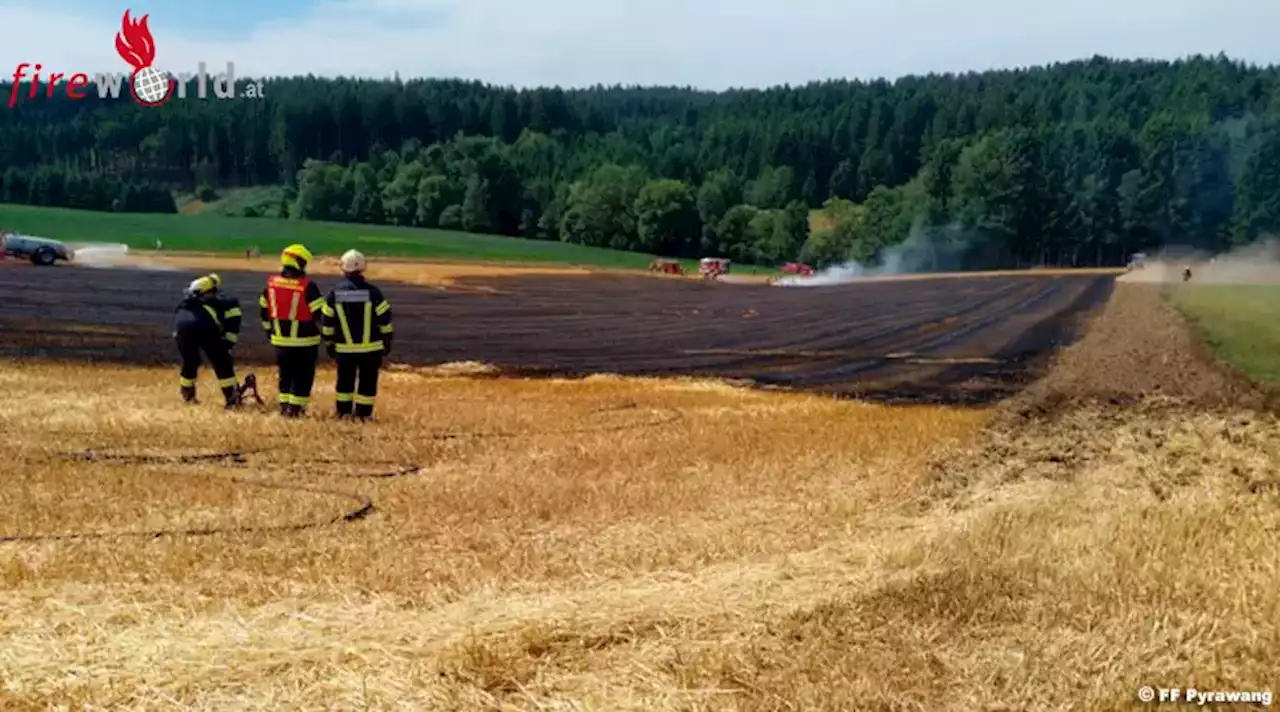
[
  {"x": 666, "y": 267},
  {"x": 713, "y": 267},
  {"x": 1137, "y": 260},
  {"x": 799, "y": 268},
  {"x": 40, "y": 250}
]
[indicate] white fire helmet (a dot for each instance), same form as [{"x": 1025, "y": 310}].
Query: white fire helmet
[{"x": 352, "y": 262}]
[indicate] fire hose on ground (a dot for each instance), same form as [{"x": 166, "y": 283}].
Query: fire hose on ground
[{"x": 361, "y": 505}]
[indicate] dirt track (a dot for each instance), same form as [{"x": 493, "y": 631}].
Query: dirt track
[
  {"x": 950, "y": 340},
  {"x": 1140, "y": 348}
]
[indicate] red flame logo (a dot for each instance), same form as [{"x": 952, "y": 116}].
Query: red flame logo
[{"x": 134, "y": 42}]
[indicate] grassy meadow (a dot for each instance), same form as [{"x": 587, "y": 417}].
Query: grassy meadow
[
  {"x": 1238, "y": 322},
  {"x": 212, "y": 232}
]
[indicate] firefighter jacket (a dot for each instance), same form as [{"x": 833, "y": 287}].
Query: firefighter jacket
[
  {"x": 291, "y": 306},
  {"x": 216, "y": 314},
  {"x": 357, "y": 318}
]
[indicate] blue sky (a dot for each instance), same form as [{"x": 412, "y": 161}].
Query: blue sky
[
  {"x": 224, "y": 19},
  {"x": 706, "y": 43}
]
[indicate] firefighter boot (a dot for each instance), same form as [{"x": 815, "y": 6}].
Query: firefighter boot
[
  {"x": 189, "y": 394},
  {"x": 232, "y": 394},
  {"x": 344, "y": 408}
]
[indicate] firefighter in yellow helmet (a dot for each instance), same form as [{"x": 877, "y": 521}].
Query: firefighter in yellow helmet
[
  {"x": 357, "y": 329},
  {"x": 291, "y": 307},
  {"x": 208, "y": 321}
]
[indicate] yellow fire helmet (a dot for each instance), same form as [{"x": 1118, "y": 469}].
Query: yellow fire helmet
[
  {"x": 204, "y": 285},
  {"x": 296, "y": 256}
]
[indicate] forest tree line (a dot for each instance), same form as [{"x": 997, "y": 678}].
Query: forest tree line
[{"x": 1077, "y": 163}]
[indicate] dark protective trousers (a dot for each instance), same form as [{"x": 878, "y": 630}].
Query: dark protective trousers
[
  {"x": 190, "y": 346},
  {"x": 297, "y": 366},
  {"x": 357, "y": 383}
]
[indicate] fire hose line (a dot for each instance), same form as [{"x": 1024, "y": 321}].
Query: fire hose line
[
  {"x": 364, "y": 507},
  {"x": 142, "y": 459},
  {"x": 239, "y": 458}
]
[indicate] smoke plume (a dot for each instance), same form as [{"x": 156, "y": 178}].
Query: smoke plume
[
  {"x": 1255, "y": 263},
  {"x": 926, "y": 249}
]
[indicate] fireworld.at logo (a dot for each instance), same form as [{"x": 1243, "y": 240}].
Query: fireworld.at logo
[{"x": 148, "y": 85}]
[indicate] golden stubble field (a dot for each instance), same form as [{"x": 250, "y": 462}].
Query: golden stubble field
[
  {"x": 561, "y": 538},
  {"x": 633, "y": 544}
]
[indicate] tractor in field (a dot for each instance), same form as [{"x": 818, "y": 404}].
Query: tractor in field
[
  {"x": 713, "y": 267},
  {"x": 40, "y": 250},
  {"x": 798, "y": 268},
  {"x": 666, "y": 267}
]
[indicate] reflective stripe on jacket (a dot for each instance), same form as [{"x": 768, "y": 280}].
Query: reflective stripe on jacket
[
  {"x": 357, "y": 317},
  {"x": 290, "y": 305}
]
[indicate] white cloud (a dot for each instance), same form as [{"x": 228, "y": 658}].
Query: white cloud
[{"x": 708, "y": 43}]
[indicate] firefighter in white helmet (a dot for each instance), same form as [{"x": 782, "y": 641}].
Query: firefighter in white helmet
[{"x": 358, "y": 333}]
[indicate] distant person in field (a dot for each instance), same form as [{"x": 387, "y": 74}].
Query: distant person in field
[
  {"x": 291, "y": 307},
  {"x": 208, "y": 321},
  {"x": 358, "y": 332}
]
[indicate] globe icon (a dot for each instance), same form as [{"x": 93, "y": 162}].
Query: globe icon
[{"x": 150, "y": 85}]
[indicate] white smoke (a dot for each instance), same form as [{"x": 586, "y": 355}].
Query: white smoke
[
  {"x": 839, "y": 274},
  {"x": 1255, "y": 263},
  {"x": 926, "y": 249}
]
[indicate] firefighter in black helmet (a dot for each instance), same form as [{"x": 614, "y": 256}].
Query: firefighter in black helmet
[
  {"x": 208, "y": 321},
  {"x": 357, "y": 329}
]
